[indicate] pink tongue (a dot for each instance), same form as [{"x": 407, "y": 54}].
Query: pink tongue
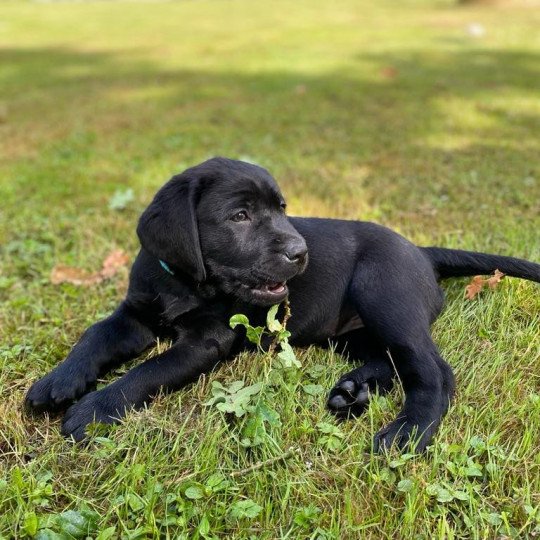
[{"x": 275, "y": 287}]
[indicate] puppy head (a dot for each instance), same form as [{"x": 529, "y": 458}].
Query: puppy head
[{"x": 224, "y": 221}]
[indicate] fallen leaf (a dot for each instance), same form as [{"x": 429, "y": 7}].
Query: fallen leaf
[
  {"x": 474, "y": 287},
  {"x": 116, "y": 260},
  {"x": 77, "y": 276},
  {"x": 495, "y": 279},
  {"x": 389, "y": 72},
  {"x": 478, "y": 282},
  {"x": 113, "y": 262}
]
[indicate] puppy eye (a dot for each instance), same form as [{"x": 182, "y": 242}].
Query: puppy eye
[
  {"x": 283, "y": 206},
  {"x": 240, "y": 216}
]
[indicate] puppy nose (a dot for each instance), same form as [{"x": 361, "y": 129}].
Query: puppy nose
[{"x": 296, "y": 252}]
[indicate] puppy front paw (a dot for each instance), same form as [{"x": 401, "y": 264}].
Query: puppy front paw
[
  {"x": 101, "y": 406},
  {"x": 59, "y": 388}
]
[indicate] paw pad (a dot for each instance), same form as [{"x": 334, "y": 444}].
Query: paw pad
[{"x": 348, "y": 398}]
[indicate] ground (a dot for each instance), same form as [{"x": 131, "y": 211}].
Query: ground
[{"x": 421, "y": 115}]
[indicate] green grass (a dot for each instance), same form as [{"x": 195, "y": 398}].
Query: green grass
[{"x": 388, "y": 111}]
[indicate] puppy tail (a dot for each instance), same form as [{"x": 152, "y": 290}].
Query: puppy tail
[{"x": 456, "y": 262}]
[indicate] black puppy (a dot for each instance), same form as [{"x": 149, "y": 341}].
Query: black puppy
[{"x": 215, "y": 242}]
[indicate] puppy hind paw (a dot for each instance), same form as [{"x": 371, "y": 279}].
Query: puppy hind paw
[
  {"x": 351, "y": 394},
  {"x": 348, "y": 398},
  {"x": 404, "y": 435}
]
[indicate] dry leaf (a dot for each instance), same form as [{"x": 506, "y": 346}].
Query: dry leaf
[
  {"x": 389, "y": 72},
  {"x": 115, "y": 260},
  {"x": 66, "y": 274},
  {"x": 474, "y": 287},
  {"x": 495, "y": 279},
  {"x": 478, "y": 282},
  {"x": 77, "y": 276}
]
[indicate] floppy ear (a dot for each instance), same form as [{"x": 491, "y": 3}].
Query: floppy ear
[{"x": 168, "y": 227}]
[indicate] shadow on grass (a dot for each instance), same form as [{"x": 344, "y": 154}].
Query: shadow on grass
[{"x": 424, "y": 137}]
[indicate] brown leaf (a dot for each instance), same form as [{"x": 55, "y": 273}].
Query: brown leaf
[
  {"x": 389, "y": 72},
  {"x": 113, "y": 262},
  {"x": 474, "y": 287},
  {"x": 478, "y": 282},
  {"x": 77, "y": 276},
  {"x": 495, "y": 279}
]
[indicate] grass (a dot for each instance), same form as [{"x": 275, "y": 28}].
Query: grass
[{"x": 388, "y": 111}]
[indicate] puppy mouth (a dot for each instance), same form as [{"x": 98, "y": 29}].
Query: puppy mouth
[
  {"x": 272, "y": 288},
  {"x": 276, "y": 290}
]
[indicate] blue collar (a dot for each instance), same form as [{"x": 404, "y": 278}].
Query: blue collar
[{"x": 166, "y": 267}]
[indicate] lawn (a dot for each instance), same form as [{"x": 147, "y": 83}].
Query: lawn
[{"x": 421, "y": 115}]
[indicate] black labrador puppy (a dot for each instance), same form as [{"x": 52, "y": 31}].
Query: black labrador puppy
[{"x": 215, "y": 242}]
